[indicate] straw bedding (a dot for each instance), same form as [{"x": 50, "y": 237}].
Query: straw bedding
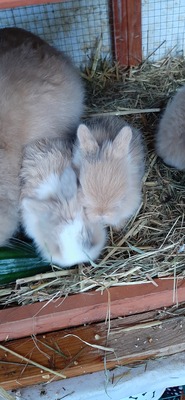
[{"x": 152, "y": 243}]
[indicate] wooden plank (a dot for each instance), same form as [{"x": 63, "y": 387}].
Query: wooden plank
[
  {"x": 119, "y": 9},
  {"x": 131, "y": 342},
  {"x": 88, "y": 307},
  {"x": 127, "y": 31},
  {"x": 23, "y": 3},
  {"x": 134, "y": 32}
]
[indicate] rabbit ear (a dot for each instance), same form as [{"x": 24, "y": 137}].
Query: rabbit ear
[
  {"x": 122, "y": 141},
  {"x": 37, "y": 206},
  {"x": 68, "y": 181},
  {"x": 88, "y": 143}
]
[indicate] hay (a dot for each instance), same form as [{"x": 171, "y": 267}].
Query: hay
[{"x": 152, "y": 243}]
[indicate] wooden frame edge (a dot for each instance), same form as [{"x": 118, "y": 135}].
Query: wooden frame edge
[
  {"x": 24, "y": 3},
  {"x": 85, "y": 349},
  {"x": 78, "y": 309}
]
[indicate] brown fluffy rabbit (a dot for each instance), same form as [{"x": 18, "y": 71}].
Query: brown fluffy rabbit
[
  {"x": 109, "y": 158},
  {"x": 170, "y": 138},
  {"x": 41, "y": 95},
  {"x": 51, "y": 212}
]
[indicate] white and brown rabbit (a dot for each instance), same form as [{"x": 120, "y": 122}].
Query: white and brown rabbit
[
  {"x": 41, "y": 95},
  {"x": 170, "y": 138},
  {"x": 109, "y": 159},
  {"x": 51, "y": 212}
]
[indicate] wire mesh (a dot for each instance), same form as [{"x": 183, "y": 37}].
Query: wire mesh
[
  {"x": 76, "y": 26},
  {"x": 72, "y": 26},
  {"x": 163, "y": 28}
]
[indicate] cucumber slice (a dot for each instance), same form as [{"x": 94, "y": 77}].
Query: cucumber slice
[{"x": 18, "y": 261}]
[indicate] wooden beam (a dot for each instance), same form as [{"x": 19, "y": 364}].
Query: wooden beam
[
  {"x": 23, "y": 3},
  {"x": 88, "y": 307},
  {"x": 127, "y": 31},
  {"x": 120, "y": 26},
  {"x": 129, "y": 341}
]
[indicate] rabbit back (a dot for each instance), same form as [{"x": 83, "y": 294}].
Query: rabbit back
[
  {"x": 41, "y": 95},
  {"x": 170, "y": 137},
  {"x": 41, "y": 92}
]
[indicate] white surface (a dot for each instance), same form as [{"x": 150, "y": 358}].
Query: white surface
[{"x": 152, "y": 377}]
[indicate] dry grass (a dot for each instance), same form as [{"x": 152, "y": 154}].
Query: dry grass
[{"x": 152, "y": 244}]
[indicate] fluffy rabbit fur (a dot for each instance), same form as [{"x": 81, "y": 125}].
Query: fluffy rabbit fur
[
  {"x": 41, "y": 95},
  {"x": 109, "y": 159},
  {"x": 170, "y": 138},
  {"x": 51, "y": 211}
]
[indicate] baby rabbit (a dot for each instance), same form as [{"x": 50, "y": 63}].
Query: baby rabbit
[
  {"x": 170, "y": 138},
  {"x": 50, "y": 209},
  {"x": 109, "y": 159},
  {"x": 41, "y": 95}
]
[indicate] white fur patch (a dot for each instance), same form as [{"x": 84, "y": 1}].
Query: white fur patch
[
  {"x": 29, "y": 219},
  {"x": 64, "y": 184},
  {"x": 70, "y": 239},
  {"x": 71, "y": 243},
  {"x": 49, "y": 186}
]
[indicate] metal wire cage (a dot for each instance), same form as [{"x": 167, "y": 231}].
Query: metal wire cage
[
  {"x": 76, "y": 26},
  {"x": 72, "y": 26}
]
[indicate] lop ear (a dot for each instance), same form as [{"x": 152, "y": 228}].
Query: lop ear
[
  {"x": 122, "y": 141},
  {"x": 56, "y": 185},
  {"x": 88, "y": 143},
  {"x": 68, "y": 181},
  {"x": 36, "y": 206}
]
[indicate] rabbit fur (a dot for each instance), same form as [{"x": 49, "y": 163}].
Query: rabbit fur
[
  {"x": 51, "y": 212},
  {"x": 109, "y": 159},
  {"x": 41, "y": 95},
  {"x": 170, "y": 137}
]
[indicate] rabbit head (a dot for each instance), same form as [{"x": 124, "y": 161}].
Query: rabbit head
[
  {"x": 55, "y": 219},
  {"x": 109, "y": 188}
]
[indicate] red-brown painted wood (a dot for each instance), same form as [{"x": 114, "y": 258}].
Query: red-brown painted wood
[
  {"x": 126, "y": 25},
  {"x": 134, "y": 32},
  {"x": 23, "y": 3},
  {"x": 127, "y": 31},
  {"x": 85, "y": 308},
  {"x": 119, "y": 9}
]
